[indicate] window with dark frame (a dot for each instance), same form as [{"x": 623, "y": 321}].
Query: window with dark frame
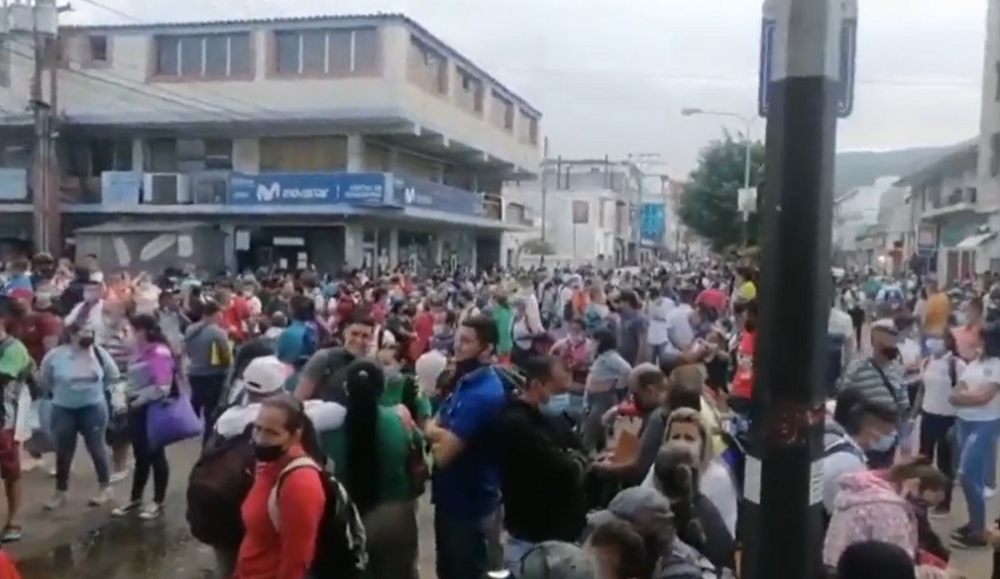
[{"x": 97, "y": 49}]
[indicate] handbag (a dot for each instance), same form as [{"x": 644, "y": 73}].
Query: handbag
[{"x": 171, "y": 420}]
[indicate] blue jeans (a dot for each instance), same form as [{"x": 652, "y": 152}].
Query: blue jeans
[
  {"x": 514, "y": 552},
  {"x": 977, "y": 443},
  {"x": 467, "y": 548},
  {"x": 68, "y": 424}
]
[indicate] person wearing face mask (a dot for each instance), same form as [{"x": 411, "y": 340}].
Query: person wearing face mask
[
  {"x": 284, "y": 549},
  {"x": 860, "y": 423},
  {"x": 939, "y": 377},
  {"x": 977, "y": 404},
  {"x": 466, "y": 479},
  {"x": 880, "y": 379},
  {"x": 884, "y": 506},
  {"x": 90, "y": 311},
  {"x": 78, "y": 374},
  {"x": 541, "y": 464}
]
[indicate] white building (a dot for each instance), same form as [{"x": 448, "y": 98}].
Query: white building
[
  {"x": 584, "y": 212},
  {"x": 378, "y": 141},
  {"x": 988, "y": 165},
  {"x": 856, "y": 210}
]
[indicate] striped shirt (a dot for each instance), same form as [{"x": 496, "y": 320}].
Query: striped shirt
[{"x": 862, "y": 374}]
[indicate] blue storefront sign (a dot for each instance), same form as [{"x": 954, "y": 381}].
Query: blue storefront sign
[
  {"x": 652, "y": 222},
  {"x": 424, "y": 194},
  {"x": 298, "y": 189}
]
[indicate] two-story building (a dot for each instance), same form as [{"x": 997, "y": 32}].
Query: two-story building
[
  {"x": 334, "y": 141},
  {"x": 953, "y": 228}
]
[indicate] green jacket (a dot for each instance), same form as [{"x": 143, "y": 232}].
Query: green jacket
[{"x": 504, "y": 318}]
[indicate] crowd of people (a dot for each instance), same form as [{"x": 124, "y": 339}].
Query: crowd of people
[{"x": 579, "y": 424}]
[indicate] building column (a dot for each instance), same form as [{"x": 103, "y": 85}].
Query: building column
[
  {"x": 139, "y": 155},
  {"x": 229, "y": 247},
  {"x": 354, "y": 249},
  {"x": 355, "y": 154},
  {"x": 393, "y": 248},
  {"x": 474, "y": 182},
  {"x": 393, "y": 160},
  {"x": 438, "y": 250},
  {"x": 438, "y": 173}
]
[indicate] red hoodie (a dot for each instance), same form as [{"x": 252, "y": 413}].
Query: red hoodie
[{"x": 269, "y": 553}]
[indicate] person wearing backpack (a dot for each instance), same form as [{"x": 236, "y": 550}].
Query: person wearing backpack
[
  {"x": 223, "y": 474},
  {"x": 378, "y": 456},
  {"x": 937, "y": 414},
  {"x": 286, "y": 548},
  {"x": 300, "y": 340}
]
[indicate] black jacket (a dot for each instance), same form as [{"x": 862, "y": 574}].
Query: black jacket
[{"x": 541, "y": 475}]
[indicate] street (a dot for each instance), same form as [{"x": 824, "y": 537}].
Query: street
[{"x": 81, "y": 542}]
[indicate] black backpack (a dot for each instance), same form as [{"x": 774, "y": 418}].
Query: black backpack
[
  {"x": 341, "y": 548},
  {"x": 217, "y": 486}
]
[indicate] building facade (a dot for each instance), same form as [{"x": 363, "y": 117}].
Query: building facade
[
  {"x": 589, "y": 210},
  {"x": 333, "y": 141}
]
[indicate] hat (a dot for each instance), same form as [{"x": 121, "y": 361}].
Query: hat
[
  {"x": 21, "y": 293},
  {"x": 265, "y": 375},
  {"x": 886, "y": 325},
  {"x": 428, "y": 369},
  {"x": 558, "y": 560},
  {"x": 645, "y": 508}
]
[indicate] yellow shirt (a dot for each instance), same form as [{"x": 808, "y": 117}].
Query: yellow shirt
[
  {"x": 936, "y": 312},
  {"x": 747, "y": 291}
]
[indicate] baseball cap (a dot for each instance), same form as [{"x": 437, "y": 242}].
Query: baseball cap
[
  {"x": 646, "y": 509},
  {"x": 558, "y": 560},
  {"x": 265, "y": 375}
]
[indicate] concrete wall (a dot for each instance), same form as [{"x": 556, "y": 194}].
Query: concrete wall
[
  {"x": 124, "y": 89},
  {"x": 138, "y": 252}
]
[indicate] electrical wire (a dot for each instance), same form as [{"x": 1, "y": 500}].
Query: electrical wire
[{"x": 176, "y": 94}]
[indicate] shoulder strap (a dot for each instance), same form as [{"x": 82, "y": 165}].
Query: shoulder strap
[
  {"x": 272, "y": 499},
  {"x": 842, "y": 445},
  {"x": 885, "y": 382},
  {"x": 952, "y": 371}
]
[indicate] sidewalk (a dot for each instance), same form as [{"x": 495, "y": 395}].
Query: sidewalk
[{"x": 46, "y": 530}]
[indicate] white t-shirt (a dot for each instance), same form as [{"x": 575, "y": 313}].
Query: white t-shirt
[
  {"x": 937, "y": 384},
  {"x": 840, "y": 324},
  {"x": 657, "y": 312},
  {"x": 979, "y": 375},
  {"x": 909, "y": 355}
]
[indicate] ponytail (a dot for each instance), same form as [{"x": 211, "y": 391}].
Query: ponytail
[
  {"x": 365, "y": 383},
  {"x": 676, "y": 475}
]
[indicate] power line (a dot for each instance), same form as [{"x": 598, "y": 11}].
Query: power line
[{"x": 725, "y": 80}]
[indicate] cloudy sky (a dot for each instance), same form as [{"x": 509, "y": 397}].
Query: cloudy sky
[{"x": 611, "y": 76}]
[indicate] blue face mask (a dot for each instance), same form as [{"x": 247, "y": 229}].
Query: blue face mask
[
  {"x": 884, "y": 442},
  {"x": 556, "y": 405}
]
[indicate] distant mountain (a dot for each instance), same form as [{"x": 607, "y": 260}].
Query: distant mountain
[{"x": 859, "y": 168}]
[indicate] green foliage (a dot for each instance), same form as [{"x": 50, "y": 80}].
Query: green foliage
[
  {"x": 537, "y": 247},
  {"x": 708, "y": 204}
]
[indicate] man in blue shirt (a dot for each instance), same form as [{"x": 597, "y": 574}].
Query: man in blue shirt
[
  {"x": 300, "y": 340},
  {"x": 466, "y": 482}
]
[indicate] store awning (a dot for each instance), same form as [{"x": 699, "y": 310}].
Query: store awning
[{"x": 974, "y": 241}]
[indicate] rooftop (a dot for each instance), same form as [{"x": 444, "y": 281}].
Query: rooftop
[{"x": 378, "y": 18}]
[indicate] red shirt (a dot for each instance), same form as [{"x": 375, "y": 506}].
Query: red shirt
[
  {"x": 423, "y": 331},
  {"x": 269, "y": 553},
  {"x": 7, "y": 568},
  {"x": 234, "y": 317},
  {"x": 379, "y": 313},
  {"x": 713, "y": 298},
  {"x": 32, "y": 329},
  {"x": 743, "y": 380}
]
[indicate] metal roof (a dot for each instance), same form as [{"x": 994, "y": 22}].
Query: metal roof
[
  {"x": 381, "y": 17},
  {"x": 959, "y": 157},
  {"x": 144, "y": 226}
]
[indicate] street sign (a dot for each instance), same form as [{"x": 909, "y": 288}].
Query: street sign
[{"x": 848, "y": 56}]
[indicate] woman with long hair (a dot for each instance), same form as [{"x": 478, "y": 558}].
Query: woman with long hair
[
  {"x": 151, "y": 377},
  {"x": 977, "y": 407},
  {"x": 939, "y": 377},
  {"x": 676, "y": 474},
  {"x": 372, "y": 455}
]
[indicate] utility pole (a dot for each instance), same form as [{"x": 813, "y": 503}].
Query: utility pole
[
  {"x": 545, "y": 195},
  {"x": 44, "y": 170},
  {"x": 783, "y": 524}
]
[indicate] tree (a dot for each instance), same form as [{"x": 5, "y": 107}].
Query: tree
[
  {"x": 537, "y": 247},
  {"x": 708, "y": 203}
]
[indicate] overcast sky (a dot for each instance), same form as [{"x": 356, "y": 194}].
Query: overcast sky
[{"x": 610, "y": 76}]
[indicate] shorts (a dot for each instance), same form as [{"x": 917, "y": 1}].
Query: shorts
[{"x": 10, "y": 456}]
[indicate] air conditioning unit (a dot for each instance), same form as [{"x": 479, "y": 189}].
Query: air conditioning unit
[
  {"x": 24, "y": 18},
  {"x": 166, "y": 189}
]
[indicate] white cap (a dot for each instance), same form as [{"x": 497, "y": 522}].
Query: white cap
[
  {"x": 265, "y": 375},
  {"x": 428, "y": 369},
  {"x": 885, "y": 324}
]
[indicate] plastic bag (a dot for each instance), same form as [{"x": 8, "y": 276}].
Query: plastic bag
[{"x": 172, "y": 420}]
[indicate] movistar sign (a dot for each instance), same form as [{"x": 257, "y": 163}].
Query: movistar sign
[{"x": 282, "y": 189}]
